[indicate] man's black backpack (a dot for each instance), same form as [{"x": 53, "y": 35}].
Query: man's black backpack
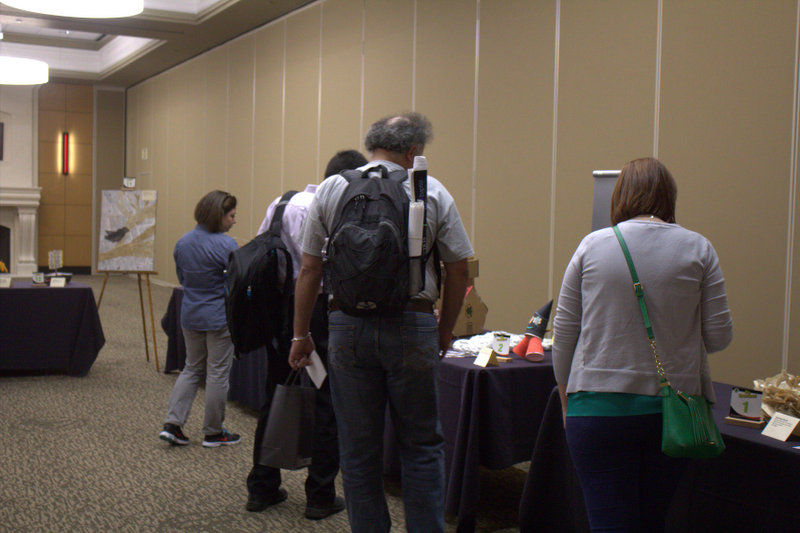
[
  {"x": 365, "y": 260},
  {"x": 257, "y": 303}
]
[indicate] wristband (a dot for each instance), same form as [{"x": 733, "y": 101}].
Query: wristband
[{"x": 304, "y": 337}]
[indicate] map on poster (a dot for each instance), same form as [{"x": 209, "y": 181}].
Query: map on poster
[{"x": 127, "y": 231}]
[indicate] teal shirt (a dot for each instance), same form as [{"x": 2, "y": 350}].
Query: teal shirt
[{"x": 587, "y": 403}]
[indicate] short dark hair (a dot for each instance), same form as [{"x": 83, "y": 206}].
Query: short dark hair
[
  {"x": 644, "y": 187},
  {"x": 345, "y": 160},
  {"x": 212, "y": 207},
  {"x": 399, "y": 133}
]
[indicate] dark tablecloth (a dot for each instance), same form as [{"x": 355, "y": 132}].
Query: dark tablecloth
[
  {"x": 48, "y": 329},
  {"x": 753, "y": 486}
]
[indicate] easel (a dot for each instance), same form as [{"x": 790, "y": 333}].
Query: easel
[{"x": 141, "y": 305}]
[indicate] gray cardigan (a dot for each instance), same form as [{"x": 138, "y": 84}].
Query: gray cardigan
[{"x": 599, "y": 339}]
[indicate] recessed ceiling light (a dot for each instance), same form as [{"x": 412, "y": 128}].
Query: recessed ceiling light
[{"x": 80, "y": 8}]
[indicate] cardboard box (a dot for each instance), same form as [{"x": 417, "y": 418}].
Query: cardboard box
[{"x": 472, "y": 316}]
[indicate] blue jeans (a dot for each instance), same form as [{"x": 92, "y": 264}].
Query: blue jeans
[
  {"x": 627, "y": 482},
  {"x": 372, "y": 361}
]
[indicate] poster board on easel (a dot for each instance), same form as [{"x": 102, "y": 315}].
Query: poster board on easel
[{"x": 127, "y": 243}]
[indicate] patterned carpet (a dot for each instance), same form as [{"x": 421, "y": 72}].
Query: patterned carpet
[{"x": 82, "y": 454}]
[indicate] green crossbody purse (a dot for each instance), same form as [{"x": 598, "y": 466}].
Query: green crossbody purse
[{"x": 688, "y": 428}]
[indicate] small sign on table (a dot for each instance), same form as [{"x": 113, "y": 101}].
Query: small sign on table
[{"x": 745, "y": 408}]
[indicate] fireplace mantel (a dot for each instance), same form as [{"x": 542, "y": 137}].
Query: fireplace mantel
[{"x": 18, "y": 212}]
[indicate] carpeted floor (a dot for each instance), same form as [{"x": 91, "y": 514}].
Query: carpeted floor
[{"x": 82, "y": 454}]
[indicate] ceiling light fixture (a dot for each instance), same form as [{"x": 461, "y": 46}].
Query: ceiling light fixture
[
  {"x": 80, "y": 8},
  {"x": 22, "y": 71}
]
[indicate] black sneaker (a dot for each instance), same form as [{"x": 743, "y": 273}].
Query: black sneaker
[
  {"x": 172, "y": 433},
  {"x": 226, "y": 438},
  {"x": 318, "y": 513}
]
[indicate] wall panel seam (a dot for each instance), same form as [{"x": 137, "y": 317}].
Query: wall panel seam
[
  {"x": 551, "y": 252},
  {"x": 787, "y": 305},
  {"x": 657, "y": 110},
  {"x": 474, "y": 213}
]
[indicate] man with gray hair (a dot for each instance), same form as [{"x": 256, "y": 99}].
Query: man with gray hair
[{"x": 394, "y": 358}]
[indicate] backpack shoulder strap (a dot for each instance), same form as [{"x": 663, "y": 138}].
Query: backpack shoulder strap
[{"x": 276, "y": 224}]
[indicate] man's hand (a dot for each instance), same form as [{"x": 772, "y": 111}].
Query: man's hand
[
  {"x": 445, "y": 340},
  {"x": 298, "y": 355}
]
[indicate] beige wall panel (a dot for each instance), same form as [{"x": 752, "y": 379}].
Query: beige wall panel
[
  {"x": 53, "y": 188},
  {"x": 340, "y": 119},
  {"x": 727, "y": 82},
  {"x": 513, "y": 160},
  {"x": 268, "y": 116},
  {"x": 216, "y": 118},
  {"x": 240, "y": 137},
  {"x": 79, "y": 98},
  {"x": 77, "y": 251},
  {"x": 51, "y": 125},
  {"x": 195, "y": 145},
  {"x": 159, "y": 157},
  {"x": 172, "y": 222},
  {"x": 80, "y": 158},
  {"x": 51, "y": 220},
  {"x": 388, "y": 59},
  {"x": 49, "y": 158},
  {"x": 79, "y": 126},
  {"x": 132, "y": 151},
  {"x": 78, "y": 221},
  {"x": 606, "y": 102},
  {"x": 445, "y": 93},
  {"x": 301, "y": 127},
  {"x": 145, "y": 134},
  {"x": 79, "y": 189},
  {"x": 47, "y": 243},
  {"x": 52, "y": 96},
  {"x": 110, "y": 150}
]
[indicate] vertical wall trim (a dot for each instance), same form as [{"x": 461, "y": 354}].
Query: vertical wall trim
[
  {"x": 319, "y": 89},
  {"x": 787, "y": 302},
  {"x": 475, "y": 121},
  {"x": 414, "y": 62},
  {"x": 363, "y": 70},
  {"x": 551, "y": 252},
  {"x": 253, "y": 215},
  {"x": 657, "y": 111},
  {"x": 227, "y": 113},
  {"x": 283, "y": 107}
]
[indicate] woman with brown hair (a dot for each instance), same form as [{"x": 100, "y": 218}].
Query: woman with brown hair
[
  {"x": 602, "y": 359},
  {"x": 201, "y": 257}
]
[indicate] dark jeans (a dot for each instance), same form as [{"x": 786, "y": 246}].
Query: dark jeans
[
  {"x": 627, "y": 482},
  {"x": 320, "y": 489},
  {"x": 394, "y": 360}
]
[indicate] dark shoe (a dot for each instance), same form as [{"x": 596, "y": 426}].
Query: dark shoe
[
  {"x": 226, "y": 438},
  {"x": 172, "y": 433},
  {"x": 318, "y": 513},
  {"x": 256, "y": 503}
]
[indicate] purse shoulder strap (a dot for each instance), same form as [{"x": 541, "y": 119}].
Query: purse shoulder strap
[{"x": 639, "y": 291}]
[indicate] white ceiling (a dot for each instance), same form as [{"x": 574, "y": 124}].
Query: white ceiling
[{"x": 127, "y": 51}]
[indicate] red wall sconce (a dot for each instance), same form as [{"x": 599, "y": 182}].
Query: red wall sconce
[{"x": 65, "y": 153}]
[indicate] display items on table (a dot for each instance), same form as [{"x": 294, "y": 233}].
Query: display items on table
[
  {"x": 55, "y": 260},
  {"x": 530, "y": 347},
  {"x": 781, "y": 399}
]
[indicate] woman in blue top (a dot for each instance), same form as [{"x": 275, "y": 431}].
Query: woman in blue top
[
  {"x": 603, "y": 362},
  {"x": 201, "y": 257}
]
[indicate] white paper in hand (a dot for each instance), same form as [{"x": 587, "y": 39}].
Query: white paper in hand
[{"x": 316, "y": 370}]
